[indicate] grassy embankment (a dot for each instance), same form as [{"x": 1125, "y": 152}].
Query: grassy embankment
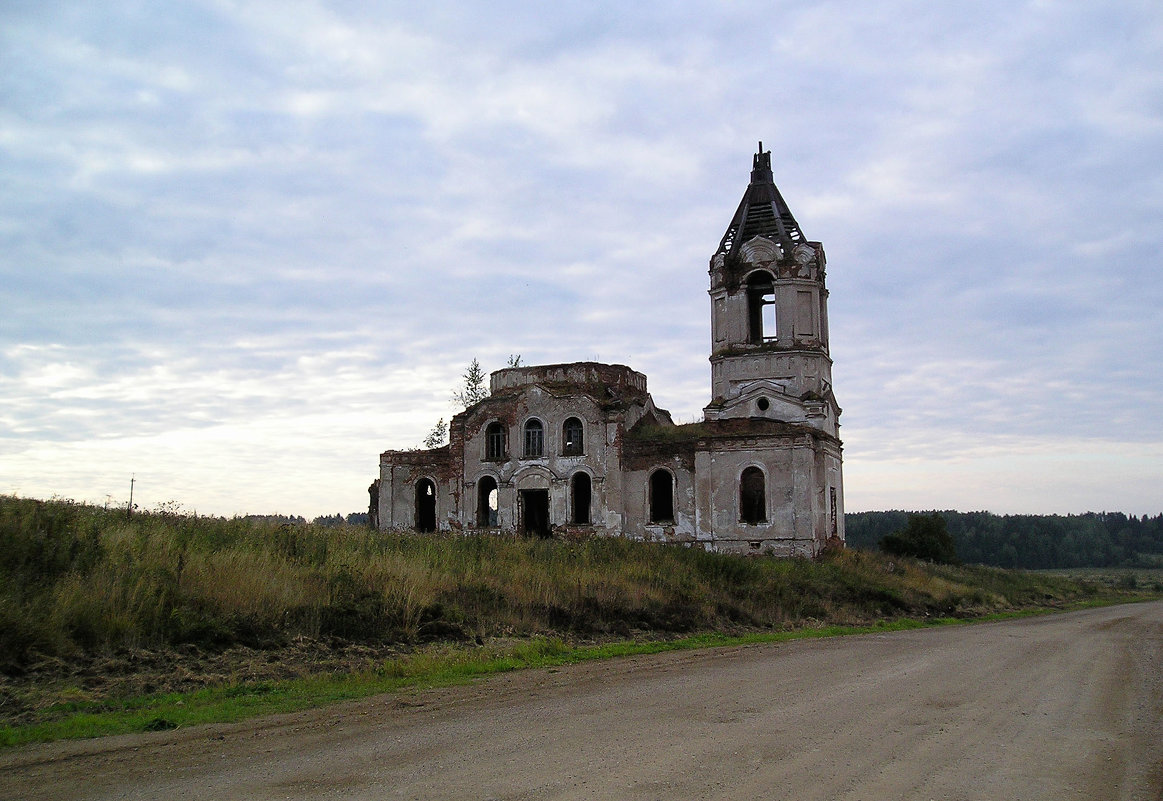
[{"x": 79, "y": 585}]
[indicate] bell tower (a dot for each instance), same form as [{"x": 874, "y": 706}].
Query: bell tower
[{"x": 769, "y": 315}]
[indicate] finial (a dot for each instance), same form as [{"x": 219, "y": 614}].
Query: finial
[{"x": 762, "y": 160}]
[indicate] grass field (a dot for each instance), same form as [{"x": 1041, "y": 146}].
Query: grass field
[
  {"x": 109, "y": 623},
  {"x": 1128, "y": 578}
]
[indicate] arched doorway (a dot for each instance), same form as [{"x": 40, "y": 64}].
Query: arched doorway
[
  {"x": 535, "y": 512},
  {"x": 661, "y": 496},
  {"x": 425, "y": 505},
  {"x": 580, "y": 496},
  {"x": 487, "y": 502}
]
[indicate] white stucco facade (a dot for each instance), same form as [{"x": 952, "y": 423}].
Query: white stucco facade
[{"x": 580, "y": 449}]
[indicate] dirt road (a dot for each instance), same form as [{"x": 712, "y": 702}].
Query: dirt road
[{"x": 1057, "y": 707}]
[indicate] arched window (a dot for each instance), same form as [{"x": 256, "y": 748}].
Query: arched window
[
  {"x": 661, "y": 496},
  {"x": 761, "y": 321},
  {"x": 752, "y": 497},
  {"x": 487, "y": 502},
  {"x": 580, "y": 495},
  {"x": 425, "y": 505},
  {"x": 571, "y": 438},
  {"x": 534, "y": 439},
  {"x": 495, "y": 441}
]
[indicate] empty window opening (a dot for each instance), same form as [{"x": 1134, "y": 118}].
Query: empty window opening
[
  {"x": 832, "y": 511},
  {"x": 535, "y": 512},
  {"x": 761, "y": 307},
  {"x": 534, "y": 439},
  {"x": 425, "y": 505},
  {"x": 764, "y": 404},
  {"x": 571, "y": 437},
  {"x": 495, "y": 441},
  {"x": 752, "y": 500},
  {"x": 487, "y": 502},
  {"x": 661, "y": 497},
  {"x": 580, "y": 490},
  {"x": 769, "y": 329}
]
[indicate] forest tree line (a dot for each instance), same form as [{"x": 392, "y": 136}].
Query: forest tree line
[{"x": 1094, "y": 539}]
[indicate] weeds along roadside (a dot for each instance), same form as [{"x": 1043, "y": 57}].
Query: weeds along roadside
[{"x": 77, "y": 580}]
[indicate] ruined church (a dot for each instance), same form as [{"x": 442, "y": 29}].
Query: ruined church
[{"x": 581, "y": 449}]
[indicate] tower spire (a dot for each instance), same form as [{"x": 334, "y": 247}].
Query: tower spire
[{"x": 762, "y": 212}]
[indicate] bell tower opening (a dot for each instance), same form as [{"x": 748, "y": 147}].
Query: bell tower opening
[{"x": 761, "y": 322}]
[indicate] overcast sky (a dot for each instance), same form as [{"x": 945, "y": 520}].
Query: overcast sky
[{"x": 246, "y": 246}]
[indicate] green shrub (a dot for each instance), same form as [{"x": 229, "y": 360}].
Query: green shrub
[{"x": 923, "y": 537}]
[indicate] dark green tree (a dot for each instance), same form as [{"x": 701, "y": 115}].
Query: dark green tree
[
  {"x": 438, "y": 435},
  {"x": 923, "y": 537},
  {"x": 473, "y": 390}
]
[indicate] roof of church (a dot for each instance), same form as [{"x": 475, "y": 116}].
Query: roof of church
[
  {"x": 762, "y": 212},
  {"x": 617, "y": 376},
  {"x": 609, "y": 385},
  {"x": 728, "y": 428}
]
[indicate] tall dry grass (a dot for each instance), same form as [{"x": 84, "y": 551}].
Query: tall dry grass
[{"x": 76, "y": 578}]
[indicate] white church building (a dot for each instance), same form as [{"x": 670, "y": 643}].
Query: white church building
[{"x": 581, "y": 449}]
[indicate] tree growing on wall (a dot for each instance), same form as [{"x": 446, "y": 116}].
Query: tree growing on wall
[
  {"x": 437, "y": 435},
  {"x": 473, "y": 389}
]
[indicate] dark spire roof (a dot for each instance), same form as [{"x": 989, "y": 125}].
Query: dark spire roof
[{"x": 762, "y": 212}]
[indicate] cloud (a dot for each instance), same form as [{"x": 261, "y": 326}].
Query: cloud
[{"x": 249, "y": 245}]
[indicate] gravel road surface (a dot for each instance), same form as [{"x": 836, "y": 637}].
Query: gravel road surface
[{"x": 1065, "y": 706}]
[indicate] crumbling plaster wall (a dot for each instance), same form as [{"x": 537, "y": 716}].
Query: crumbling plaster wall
[
  {"x": 683, "y": 527},
  {"x": 789, "y": 468},
  {"x": 400, "y": 471},
  {"x": 554, "y": 470}
]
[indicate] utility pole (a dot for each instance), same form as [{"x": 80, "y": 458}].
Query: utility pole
[{"x": 132, "y": 481}]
